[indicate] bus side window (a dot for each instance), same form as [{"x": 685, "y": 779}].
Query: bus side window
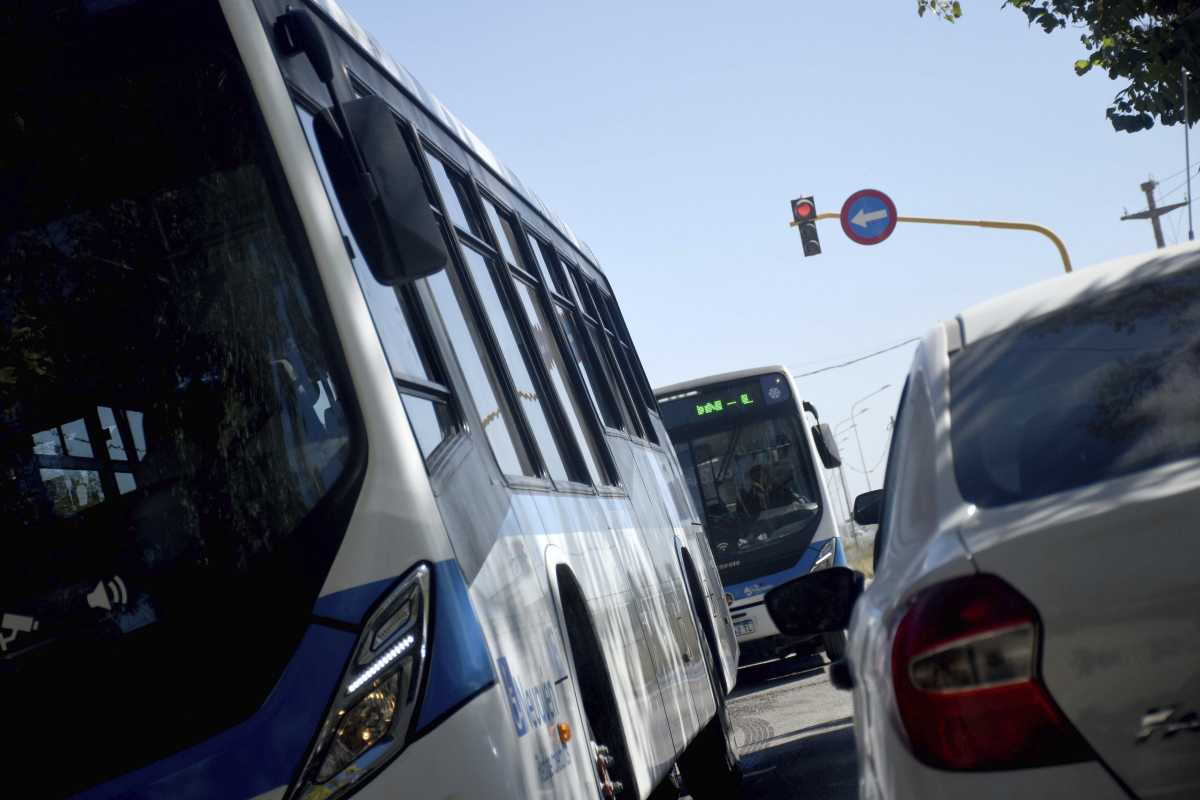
[
  {"x": 514, "y": 377},
  {"x": 497, "y": 407},
  {"x": 570, "y": 383},
  {"x": 589, "y": 351},
  {"x": 628, "y": 387},
  {"x": 402, "y": 331},
  {"x": 637, "y": 372}
]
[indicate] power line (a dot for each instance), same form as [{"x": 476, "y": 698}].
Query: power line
[
  {"x": 1173, "y": 174},
  {"x": 856, "y": 360},
  {"x": 872, "y": 469},
  {"x": 1179, "y": 186}
]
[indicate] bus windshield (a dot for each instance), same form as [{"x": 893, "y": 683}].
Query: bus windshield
[
  {"x": 749, "y": 470},
  {"x": 171, "y": 422}
]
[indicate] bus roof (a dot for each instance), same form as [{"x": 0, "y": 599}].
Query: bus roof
[
  {"x": 696, "y": 383},
  {"x": 332, "y": 11}
]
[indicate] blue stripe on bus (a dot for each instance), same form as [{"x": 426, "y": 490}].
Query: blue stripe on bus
[
  {"x": 257, "y": 755},
  {"x": 459, "y": 664},
  {"x": 762, "y": 583},
  {"x": 263, "y": 752},
  {"x": 839, "y": 553},
  {"x": 351, "y": 605}
]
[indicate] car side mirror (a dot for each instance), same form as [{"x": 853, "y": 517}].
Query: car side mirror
[
  {"x": 868, "y": 507},
  {"x": 381, "y": 191},
  {"x": 819, "y": 602},
  {"x": 827, "y": 447}
]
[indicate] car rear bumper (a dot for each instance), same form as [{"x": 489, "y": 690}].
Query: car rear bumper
[{"x": 888, "y": 771}]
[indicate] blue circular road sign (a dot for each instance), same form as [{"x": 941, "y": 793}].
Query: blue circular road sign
[{"x": 868, "y": 216}]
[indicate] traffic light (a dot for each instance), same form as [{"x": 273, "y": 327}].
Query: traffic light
[{"x": 804, "y": 212}]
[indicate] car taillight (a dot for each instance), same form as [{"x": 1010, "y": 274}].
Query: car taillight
[{"x": 967, "y": 681}]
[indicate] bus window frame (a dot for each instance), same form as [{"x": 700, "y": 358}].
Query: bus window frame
[
  {"x": 578, "y": 478},
  {"x": 435, "y": 387},
  {"x": 643, "y": 427},
  {"x": 549, "y": 300},
  {"x": 480, "y": 183},
  {"x": 532, "y": 276}
]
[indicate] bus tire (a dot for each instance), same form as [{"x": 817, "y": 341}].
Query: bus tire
[
  {"x": 710, "y": 766},
  {"x": 595, "y": 691},
  {"x": 835, "y": 645}
]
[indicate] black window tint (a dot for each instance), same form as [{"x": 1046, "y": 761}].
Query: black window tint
[
  {"x": 593, "y": 376},
  {"x": 506, "y": 335},
  {"x": 1102, "y": 388},
  {"x": 556, "y": 368},
  {"x": 175, "y": 429},
  {"x": 483, "y": 383},
  {"x": 449, "y": 185}
]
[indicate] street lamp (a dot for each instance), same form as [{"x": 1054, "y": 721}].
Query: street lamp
[
  {"x": 837, "y": 428},
  {"x": 854, "y": 425}
]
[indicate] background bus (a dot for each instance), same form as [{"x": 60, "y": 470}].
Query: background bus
[
  {"x": 310, "y": 490},
  {"x": 751, "y": 463}
]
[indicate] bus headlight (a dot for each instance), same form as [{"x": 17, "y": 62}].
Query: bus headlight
[
  {"x": 369, "y": 718},
  {"x": 826, "y": 557}
]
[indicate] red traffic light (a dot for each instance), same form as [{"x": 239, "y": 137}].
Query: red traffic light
[{"x": 804, "y": 215}]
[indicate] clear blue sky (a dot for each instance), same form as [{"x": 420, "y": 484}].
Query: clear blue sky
[{"x": 672, "y": 135}]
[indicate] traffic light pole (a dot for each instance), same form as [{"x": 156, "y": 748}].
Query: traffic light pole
[{"x": 981, "y": 223}]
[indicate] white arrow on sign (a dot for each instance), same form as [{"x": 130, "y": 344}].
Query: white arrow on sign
[{"x": 864, "y": 218}]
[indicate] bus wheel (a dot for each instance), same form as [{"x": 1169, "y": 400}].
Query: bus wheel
[
  {"x": 607, "y": 747},
  {"x": 835, "y": 645},
  {"x": 710, "y": 764}
]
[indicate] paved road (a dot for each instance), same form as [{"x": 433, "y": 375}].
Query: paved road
[{"x": 795, "y": 734}]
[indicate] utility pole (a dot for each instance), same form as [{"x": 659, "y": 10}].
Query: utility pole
[
  {"x": 1187, "y": 151},
  {"x": 849, "y": 502},
  {"x": 854, "y": 424},
  {"x": 1153, "y": 212}
]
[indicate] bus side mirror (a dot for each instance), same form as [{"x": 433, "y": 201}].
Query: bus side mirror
[
  {"x": 868, "y": 507},
  {"x": 819, "y": 602},
  {"x": 827, "y": 445},
  {"x": 381, "y": 191}
]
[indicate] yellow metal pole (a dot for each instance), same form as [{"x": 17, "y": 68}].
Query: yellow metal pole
[{"x": 980, "y": 223}]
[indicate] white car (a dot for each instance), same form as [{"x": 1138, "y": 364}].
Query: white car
[{"x": 1033, "y": 628}]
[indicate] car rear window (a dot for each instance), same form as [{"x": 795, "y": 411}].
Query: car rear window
[{"x": 1107, "y": 386}]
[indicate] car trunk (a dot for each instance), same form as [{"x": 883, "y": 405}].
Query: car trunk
[{"x": 1114, "y": 571}]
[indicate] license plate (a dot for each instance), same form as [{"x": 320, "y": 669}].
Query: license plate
[{"x": 743, "y": 627}]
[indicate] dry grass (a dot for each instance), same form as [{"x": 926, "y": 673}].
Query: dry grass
[{"x": 859, "y": 550}]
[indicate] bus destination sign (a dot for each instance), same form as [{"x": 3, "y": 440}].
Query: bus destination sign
[
  {"x": 725, "y": 400},
  {"x": 719, "y": 406}
]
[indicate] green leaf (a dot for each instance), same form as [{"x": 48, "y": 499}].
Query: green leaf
[
  {"x": 1082, "y": 66},
  {"x": 956, "y": 9}
]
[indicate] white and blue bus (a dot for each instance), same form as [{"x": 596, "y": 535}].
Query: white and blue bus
[
  {"x": 756, "y": 468},
  {"x": 327, "y": 464}
]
